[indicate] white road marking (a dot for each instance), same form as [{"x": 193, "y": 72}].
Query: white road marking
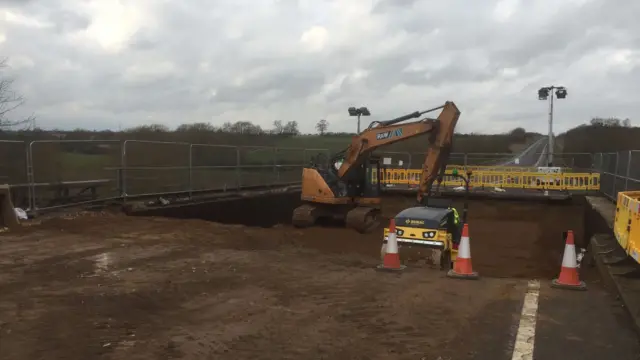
[{"x": 525, "y": 338}]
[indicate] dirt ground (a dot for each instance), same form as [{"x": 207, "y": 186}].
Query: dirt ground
[{"x": 103, "y": 285}]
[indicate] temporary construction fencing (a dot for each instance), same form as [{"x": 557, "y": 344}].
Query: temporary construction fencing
[
  {"x": 619, "y": 171},
  {"x": 56, "y": 173},
  {"x": 45, "y": 174}
]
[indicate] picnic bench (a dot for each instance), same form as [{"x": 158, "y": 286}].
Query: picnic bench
[{"x": 59, "y": 192}]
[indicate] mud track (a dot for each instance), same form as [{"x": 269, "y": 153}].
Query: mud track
[{"x": 122, "y": 287}]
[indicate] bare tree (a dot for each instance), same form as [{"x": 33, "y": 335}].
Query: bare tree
[
  {"x": 322, "y": 126},
  {"x": 291, "y": 128},
  {"x": 241, "y": 127},
  {"x": 610, "y": 122},
  {"x": 10, "y": 101},
  {"x": 196, "y": 127},
  {"x": 150, "y": 128},
  {"x": 278, "y": 127}
]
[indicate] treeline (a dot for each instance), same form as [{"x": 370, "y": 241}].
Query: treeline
[
  {"x": 599, "y": 135},
  {"x": 243, "y": 133}
]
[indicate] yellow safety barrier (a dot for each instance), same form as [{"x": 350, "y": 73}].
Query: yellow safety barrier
[
  {"x": 502, "y": 179},
  {"x": 474, "y": 168},
  {"x": 626, "y": 226}
]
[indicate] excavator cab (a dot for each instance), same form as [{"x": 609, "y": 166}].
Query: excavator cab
[{"x": 367, "y": 184}]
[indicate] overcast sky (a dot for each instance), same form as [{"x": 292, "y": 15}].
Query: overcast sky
[{"x": 108, "y": 63}]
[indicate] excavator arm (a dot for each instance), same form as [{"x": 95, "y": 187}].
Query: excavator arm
[
  {"x": 441, "y": 140},
  {"x": 388, "y": 132}
]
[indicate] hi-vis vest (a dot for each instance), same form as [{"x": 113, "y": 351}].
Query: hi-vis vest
[{"x": 455, "y": 215}]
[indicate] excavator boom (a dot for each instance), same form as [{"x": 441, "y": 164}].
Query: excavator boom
[
  {"x": 441, "y": 137},
  {"x": 439, "y": 149}
]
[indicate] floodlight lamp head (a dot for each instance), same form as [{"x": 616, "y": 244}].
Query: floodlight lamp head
[
  {"x": 543, "y": 94},
  {"x": 364, "y": 111},
  {"x": 561, "y": 93},
  {"x": 353, "y": 111}
]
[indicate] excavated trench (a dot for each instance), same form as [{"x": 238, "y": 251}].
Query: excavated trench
[
  {"x": 264, "y": 211},
  {"x": 508, "y": 238}
]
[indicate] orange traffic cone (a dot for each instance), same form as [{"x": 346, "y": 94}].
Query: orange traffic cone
[
  {"x": 568, "y": 278},
  {"x": 462, "y": 268},
  {"x": 391, "y": 260}
]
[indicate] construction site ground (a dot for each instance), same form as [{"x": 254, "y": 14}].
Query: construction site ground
[{"x": 104, "y": 285}]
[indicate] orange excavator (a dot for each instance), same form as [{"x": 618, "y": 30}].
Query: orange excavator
[{"x": 350, "y": 192}]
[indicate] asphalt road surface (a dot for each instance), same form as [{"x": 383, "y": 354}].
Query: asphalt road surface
[{"x": 534, "y": 155}]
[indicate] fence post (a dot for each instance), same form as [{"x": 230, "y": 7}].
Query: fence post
[
  {"x": 123, "y": 161},
  {"x": 190, "y": 171},
  {"x": 31, "y": 178},
  {"x": 34, "y": 209},
  {"x": 626, "y": 179},
  {"x": 615, "y": 177},
  {"x": 465, "y": 160},
  {"x": 275, "y": 166},
  {"x": 238, "y": 171}
]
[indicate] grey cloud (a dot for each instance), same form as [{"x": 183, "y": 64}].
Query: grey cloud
[
  {"x": 385, "y": 5},
  {"x": 286, "y": 84},
  {"x": 206, "y": 46},
  {"x": 66, "y": 21},
  {"x": 16, "y": 2},
  {"x": 144, "y": 40}
]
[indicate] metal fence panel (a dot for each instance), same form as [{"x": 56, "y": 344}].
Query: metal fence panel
[
  {"x": 618, "y": 172},
  {"x": 289, "y": 163},
  {"x": 459, "y": 159},
  {"x": 310, "y": 155},
  {"x": 488, "y": 159},
  {"x": 154, "y": 167},
  {"x": 577, "y": 162},
  {"x": 63, "y": 172},
  {"x": 597, "y": 162},
  {"x": 214, "y": 167},
  {"x": 50, "y": 170},
  {"x": 13, "y": 162},
  {"x": 13, "y": 170},
  {"x": 257, "y": 165},
  {"x": 398, "y": 159},
  {"x": 417, "y": 159},
  {"x": 634, "y": 164}
]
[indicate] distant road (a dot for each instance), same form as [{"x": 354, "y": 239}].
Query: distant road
[{"x": 534, "y": 155}]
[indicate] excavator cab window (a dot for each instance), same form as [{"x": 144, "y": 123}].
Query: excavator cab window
[{"x": 372, "y": 185}]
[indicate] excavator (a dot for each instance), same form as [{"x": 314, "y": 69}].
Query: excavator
[{"x": 344, "y": 187}]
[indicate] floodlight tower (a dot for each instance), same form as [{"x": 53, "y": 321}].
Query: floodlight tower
[
  {"x": 362, "y": 111},
  {"x": 543, "y": 94}
]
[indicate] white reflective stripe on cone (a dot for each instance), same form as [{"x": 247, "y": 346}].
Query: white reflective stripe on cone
[
  {"x": 392, "y": 244},
  {"x": 464, "y": 250},
  {"x": 569, "y": 257}
]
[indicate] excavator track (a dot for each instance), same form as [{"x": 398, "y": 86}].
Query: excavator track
[
  {"x": 363, "y": 219},
  {"x": 304, "y": 216}
]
